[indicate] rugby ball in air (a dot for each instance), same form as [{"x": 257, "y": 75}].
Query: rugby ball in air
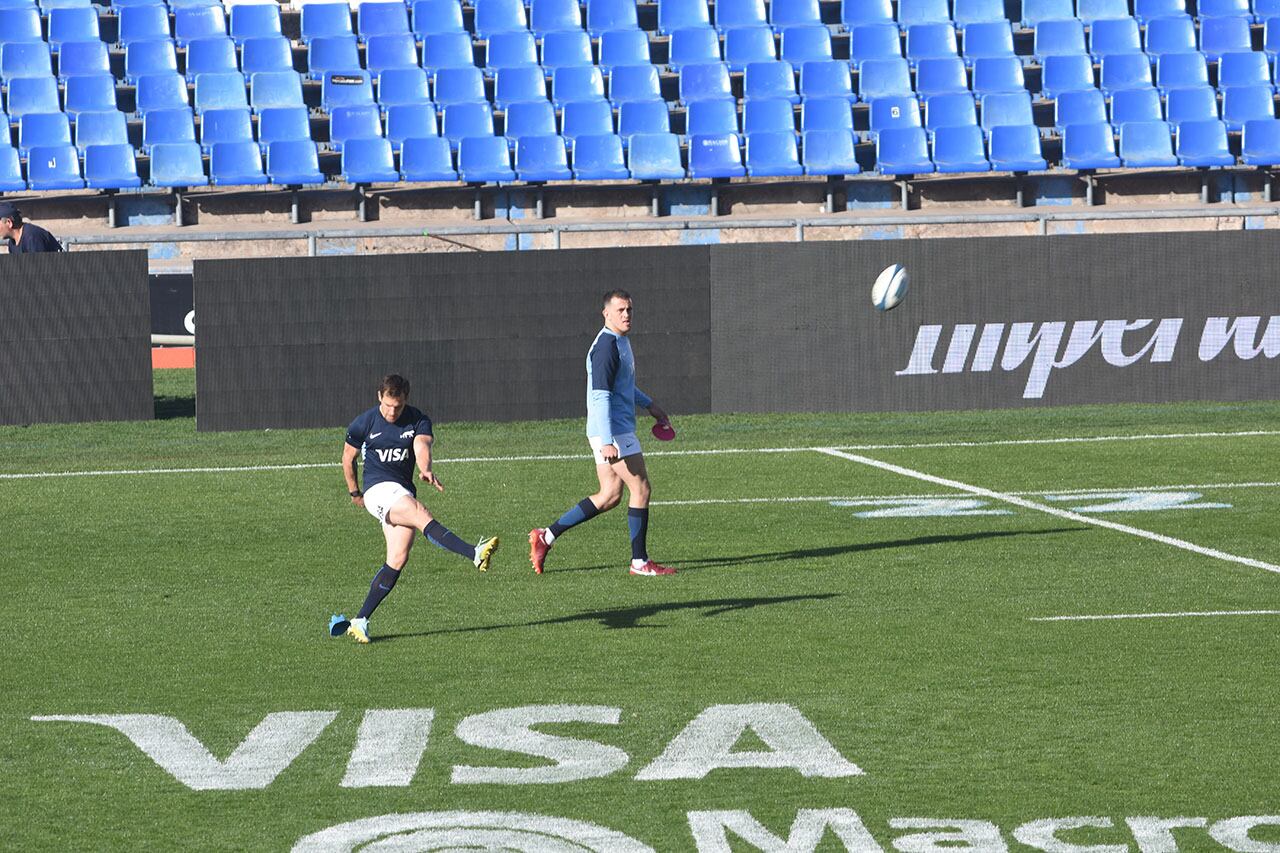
[{"x": 890, "y": 288}]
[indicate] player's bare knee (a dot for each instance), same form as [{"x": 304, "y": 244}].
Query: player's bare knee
[{"x": 606, "y": 501}]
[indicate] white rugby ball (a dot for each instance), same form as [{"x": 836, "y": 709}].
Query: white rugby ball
[{"x": 890, "y": 288}]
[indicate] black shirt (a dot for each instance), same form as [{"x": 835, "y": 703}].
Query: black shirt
[{"x": 34, "y": 239}]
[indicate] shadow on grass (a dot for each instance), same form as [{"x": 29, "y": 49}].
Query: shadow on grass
[{"x": 168, "y": 408}]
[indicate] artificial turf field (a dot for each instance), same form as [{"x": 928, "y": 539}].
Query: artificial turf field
[{"x": 902, "y": 628}]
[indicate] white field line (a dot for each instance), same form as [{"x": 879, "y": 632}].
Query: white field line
[
  {"x": 1052, "y": 510},
  {"x": 1190, "y": 614},
  {"x": 713, "y": 452}
]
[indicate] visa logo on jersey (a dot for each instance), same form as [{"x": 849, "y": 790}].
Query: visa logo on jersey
[{"x": 392, "y": 454}]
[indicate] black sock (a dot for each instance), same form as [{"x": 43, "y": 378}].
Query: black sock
[
  {"x": 638, "y": 521},
  {"x": 445, "y": 538},
  {"x": 584, "y": 510},
  {"x": 383, "y": 582}
]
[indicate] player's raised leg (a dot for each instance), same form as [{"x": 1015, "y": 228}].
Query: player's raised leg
[
  {"x": 632, "y": 472},
  {"x": 408, "y": 512}
]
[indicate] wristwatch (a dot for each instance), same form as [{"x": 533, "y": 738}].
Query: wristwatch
[{"x": 356, "y": 493}]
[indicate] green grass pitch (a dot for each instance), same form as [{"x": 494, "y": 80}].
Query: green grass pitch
[{"x": 896, "y": 615}]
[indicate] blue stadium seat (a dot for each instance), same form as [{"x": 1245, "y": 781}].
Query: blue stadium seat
[
  {"x": 598, "y": 157},
  {"x": 830, "y": 78},
  {"x": 855, "y": 13},
  {"x": 1224, "y": 35},
  {"x": 1135, "y": 105},
  {"x": 437, "y": 16},
  {"x": 579, "y": 83},
  {"x": 912, "y": 12},
  {"x": 272, "y": 53},
  {"x": 174, "y": 5},
  {"x": 24, "y": 59},
  {"x": 1203, "y": 144},
  {"x": 623, "y": 47},
  {"x": 1244, "y": 69},
  {"x": 1125, "y": 71},
  {"x": 1224, "y": 9},
  {"x": 427, "y": 160},
  {"x": 830, "y": 152},
  {"x": 272, "y": 89},
  {"x": 794, "y": 13},
  {"x": 880, "y": 78},
  {"x": 332, "y": 53},
  {"x": 1264, "y": 9},
  {"x": 144, "y": 58},
  {"x": 325, "y": 20},
  {"x": 236, "y": 164},
  {"x": 805, "y": 44},
  {"x": 1114, "y": 35},
  {"x": 970, "y": 12},
  {"x": 161, "y": 92},
  {"x": 1006, "y": 108},
  {"x": 772, "y": 115},
  {"x": 1198, "y": 103},
  {"x": 699, "y": 82},
  {"x": 293, "y": 162},
  {"x": 894, "y": 112},
  {"x": 499, "y": 16},
  {"x": 411, "y": 121},
  {"x": 91, "y": 93},
  {"x": 33, "y": 95},
  {"x": 177, "y": 164},
  {"x": 370, "y": 161},
  {"x": 678, "y": 14},
  {"x": 220, "y": 91},
  {"x": 773, "y": 154},
  {"x": 641, "y": 117},
  {"x": 1035, "y": 11},
  {"x": 1017, "y": 148},
  {"x": 447, "y": 50},
  {"x": 21, "y": 25},
  {"x": 931, "y": 41},
  {"x": 1147, "y": 144},
  {"x": 716, "y": 156},
  {"x": 585, "y": 118},
  {"x": 1246, "y": 103},
  {"x": 510, "y": 50},
  {"x": 54, "y": 168},
  {"x": 960, "y": 149},
  {"x": 531, "y": 118},
  {"x": 224, "y": 125},
  {"x": 11, "y": 179},
  {"x": 941, "y": 77},
  {"x": 1066, "y": 74},
  {"x": 162, "y": 127},
  {"x": 111, "y": 167},
  {"x": 386, "y": 52},
  {"x": 381, "y": 19},
  {"x": 826, "y": 114},
  {"x": 278, "y": 124},
  {"x": 458, "y": 85},
  {"x": 143, "y": 23},
  {"x": 1171, "y": 35},
  {"x": 1091, "y": 11},
  {"x": 200, "y": 22},
  {"x": 213, "y": 55},
  {"x": 693, "y": 46},
  {"x": 735, "y": 14},
  {"x": 555, "y": 16},
  {"x": 748, "y": 44},
  {"x": 1181, "y": 71},
  {"x": 463, "y": 120},
  {"x": 72, "y": 25},
  {"x": 254, "y": 21},
  {"x": 101, "y": 128},
  {"x": 1059, "y": 38},
  {"x": 987, "y": 39},
  {"x": 43, "y": 129},
  {"x": 347, "y": 123},
  {"x": 542, "y": 158},
  {"x": 903, "y": 151},
  {"x": 566, "y": 50},
  {"x": 955, "y": 110},
  {"x": 711, "y": 118},
  {"x": 82, "y": 58},
  {"x": 655, "y": 157},
  {"x": 1270, "y": 37},
  {"x": 485, "y": 159},
  {"x": 516, "y": 85},
  {"x": 875, "y": 41},
  {"x": 1089, "y": 146},
  {"x": 1086, "y": 107},
  {"x": 605, "y": 16},
  {"x": 403, "y": 86},
  {"x": 769, "y": 80},
  {"x": 1260, "y": 143},
  {"x": 998, "y": 74}
]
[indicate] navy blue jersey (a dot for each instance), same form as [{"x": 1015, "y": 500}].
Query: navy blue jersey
[
  {"x": 387, "y": 448},
  {"x": 34, "y": 239}
]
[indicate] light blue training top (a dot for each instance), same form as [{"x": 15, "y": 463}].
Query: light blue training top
[{"x": 612, "y": 394}]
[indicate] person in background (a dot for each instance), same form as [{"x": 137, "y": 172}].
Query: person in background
[{"x": 23, "y": 236}]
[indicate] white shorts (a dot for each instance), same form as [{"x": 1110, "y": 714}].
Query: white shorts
[
  {"x": 627, "y": 444},
  {"x": 381, "y": 497}
]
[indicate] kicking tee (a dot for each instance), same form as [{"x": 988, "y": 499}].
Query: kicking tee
[
  {"x": 386, "y": 449},
  {"x": 612, "y": 394}
]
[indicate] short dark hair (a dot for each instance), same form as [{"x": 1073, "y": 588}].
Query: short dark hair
[
  {"x": 615, "y": 294},
  {"x": 393, "y": 385}
]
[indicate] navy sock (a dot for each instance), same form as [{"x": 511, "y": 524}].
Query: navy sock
[
  {"x": 383, "y": 582},
  {"x": 638, "y": 521},
  {"x": 446, "y": 539},
  {"x": 583, "y": 510}
]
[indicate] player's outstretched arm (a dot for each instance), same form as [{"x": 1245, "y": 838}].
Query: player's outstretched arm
[{"x": 422, "y": 453}]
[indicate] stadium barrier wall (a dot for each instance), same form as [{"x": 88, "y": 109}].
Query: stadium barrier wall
[
  {"x": 75, "y": 338},
  {"x": 988, "y": 323}
]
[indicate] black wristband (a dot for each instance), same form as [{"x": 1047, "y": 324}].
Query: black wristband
[{"x": 356, "y": 494}]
